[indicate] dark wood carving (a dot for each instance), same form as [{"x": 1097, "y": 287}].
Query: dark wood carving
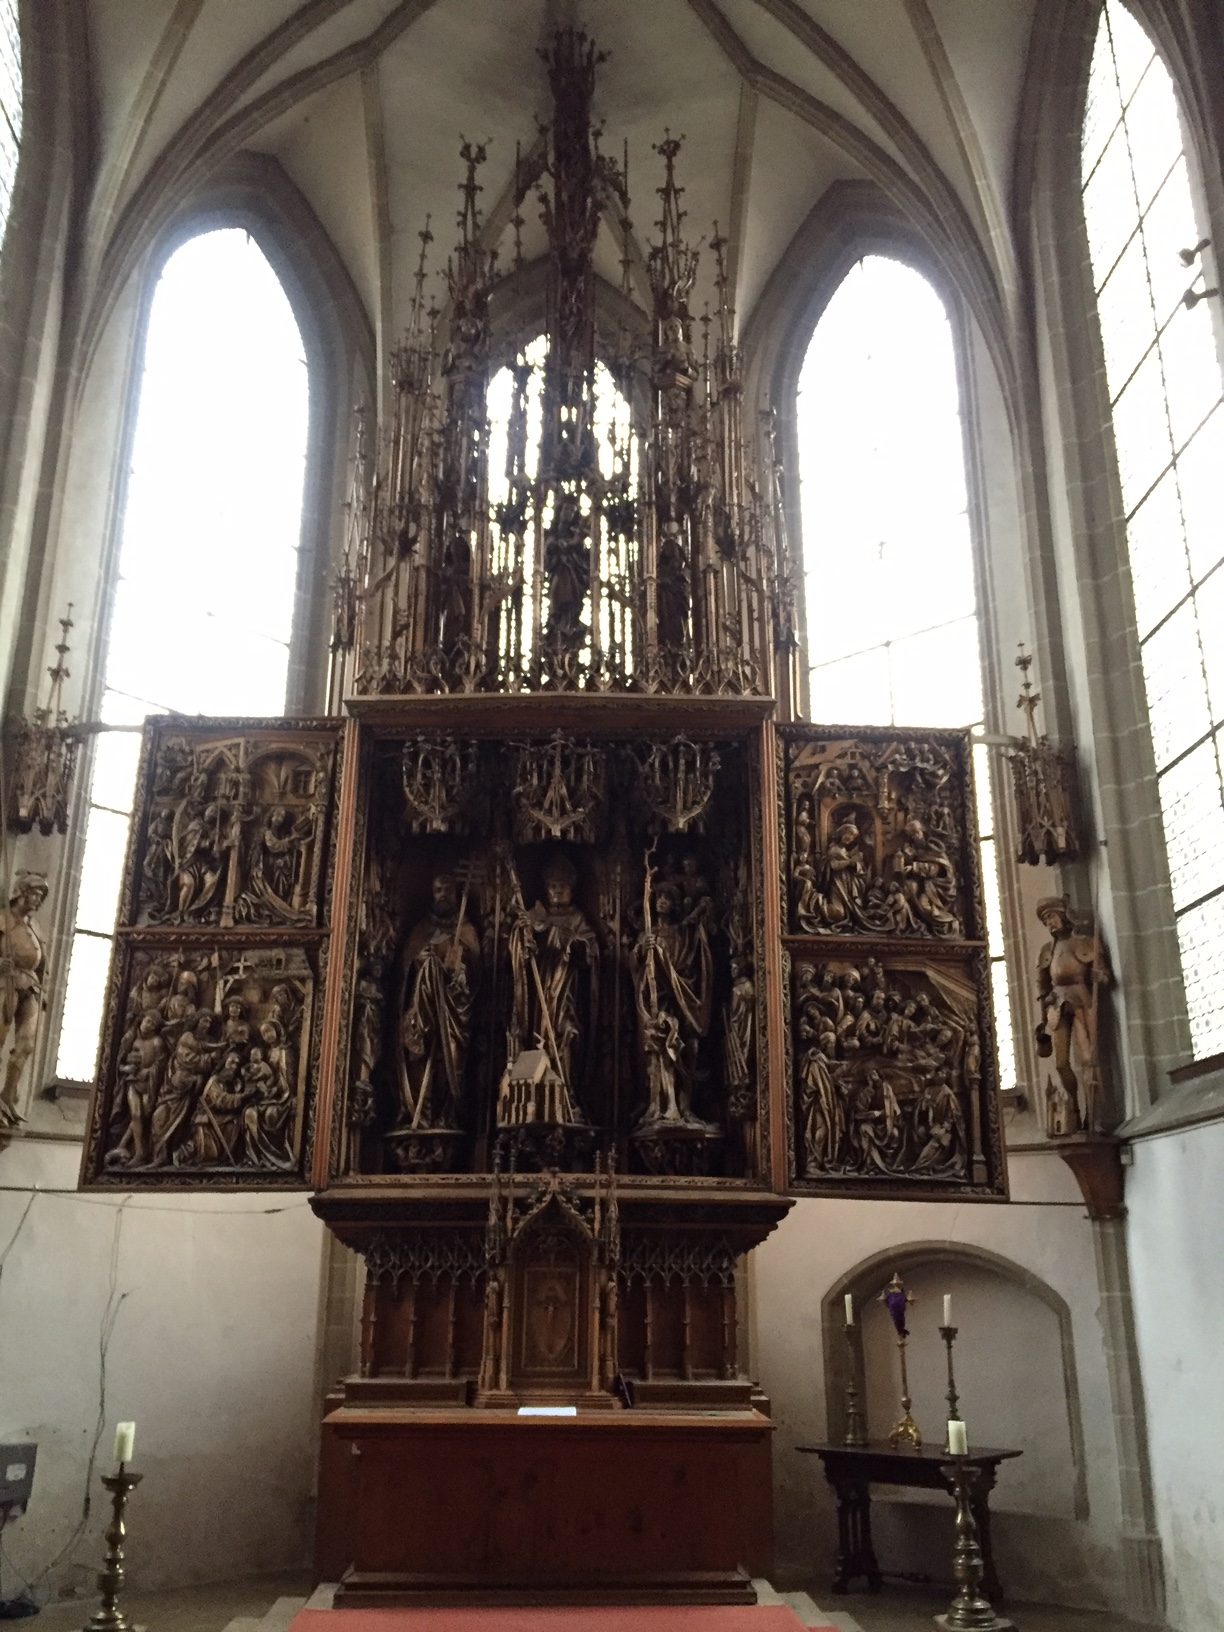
[
  {"x": 560, "y": 961},
  {"x": 891, "y": 1044},
  {"x": 213, "y": 1018}
]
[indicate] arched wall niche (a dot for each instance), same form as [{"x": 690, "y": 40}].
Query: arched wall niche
[{"x": 957, "y": 1266}]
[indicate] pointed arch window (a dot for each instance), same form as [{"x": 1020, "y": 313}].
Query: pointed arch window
[
  {"x": 892, "y": 616},
  {"x": 10, "y": 106},
  {"x": 1163, "y": 373},
  {"x": 202, "y": 603}
]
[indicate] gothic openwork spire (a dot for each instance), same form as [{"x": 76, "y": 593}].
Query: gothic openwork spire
[{"x": 633, "y": 551}]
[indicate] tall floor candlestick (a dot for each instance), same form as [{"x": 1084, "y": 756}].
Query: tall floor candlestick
[
  {"x": 969, "y": 1611},
  {"x": 948, "y": 1333},
  {"x": 906, "y": 1430},
  {"x": 856, "y": 1426},
  {"x": 108, "y": 1617}
]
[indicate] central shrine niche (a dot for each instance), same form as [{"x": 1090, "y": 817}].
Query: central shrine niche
[{"x": 556, "y": 956}]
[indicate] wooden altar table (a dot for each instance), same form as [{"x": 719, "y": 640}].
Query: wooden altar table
[{"x": 853, "y": 1469}]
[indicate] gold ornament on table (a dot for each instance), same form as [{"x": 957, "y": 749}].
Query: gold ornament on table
[
  {"x": 1071, "y": 970},
  {"x": 44, "y": 755},
  {"x": 1043, "y": 782},
  {"x": 897, "y": 1300}
]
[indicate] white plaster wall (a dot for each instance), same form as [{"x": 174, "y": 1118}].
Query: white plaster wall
[
  {"x": 1043, "y": 1551},
  {"x": 212, "y": 1353},
  {"x": 1175, "y": 1224}
]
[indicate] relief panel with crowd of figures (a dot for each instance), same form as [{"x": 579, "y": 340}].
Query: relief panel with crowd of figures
[
  {"x": 556, "y": 958},
  {"x": 889, "y": 1031},
  {"x": 213, "y": 1014}
]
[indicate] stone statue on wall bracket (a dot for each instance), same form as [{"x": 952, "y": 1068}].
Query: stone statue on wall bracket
[
  {"x": 23, "y": 968},
  {"x": 442, "y": 965},
  {"x": 1071, "y": 970}
]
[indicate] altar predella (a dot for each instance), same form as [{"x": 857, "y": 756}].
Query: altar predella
[{"x": 561, "y": 954}]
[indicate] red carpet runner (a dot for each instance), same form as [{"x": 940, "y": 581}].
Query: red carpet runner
[{"x": 675, "y": 1618}]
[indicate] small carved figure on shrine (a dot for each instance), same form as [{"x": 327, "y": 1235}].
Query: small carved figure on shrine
[
  {"x": 216, "y": 1126},
  {"x": 928, "y": 879},
  {"x": 280, "y": 866},
  {"x": 821, "y": 1110},
  {"x": 179, "y": 1009},
  {"x": 196, "y": 856},
  {"x": 1071, "y": 969},
  {"x": 941, "y": 1117},
  {"x": 831, "y": 893},
  {"x": 176, "y": 1103},
  {"x": 23, "y": 968},
  {"x": 673, "y": 974},
  {"x": 441, "y": 972},
  {"x": 140, "y": 1073},
  {"x": 266, "y": 1117},
  {"x": 554, "y": 960}
]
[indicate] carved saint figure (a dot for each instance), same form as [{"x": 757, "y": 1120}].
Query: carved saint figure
[
  {"x": 1071, "y": 969},
  {"x": 195, "y": 851},
  {"x": 176, "y": 1102},
  {"x": 23, "y": 967},
  {"x": 673, "y": 978},
  {"x": 554, "y": 959},
  {"x": 441, "y": 970},
  {"x": 267, "y": 1116}
]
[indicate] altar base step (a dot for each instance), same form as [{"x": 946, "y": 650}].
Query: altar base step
[{"x": 642, "y": 1618}]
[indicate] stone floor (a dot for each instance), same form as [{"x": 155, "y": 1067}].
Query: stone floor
[
  {"x": 241, "y": 1606},
  {"x": 909, "y": 1609}
]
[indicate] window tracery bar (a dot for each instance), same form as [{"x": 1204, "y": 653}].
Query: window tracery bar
[{"x": 1163, "y": 374}]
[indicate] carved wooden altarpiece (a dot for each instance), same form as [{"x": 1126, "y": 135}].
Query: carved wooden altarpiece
[{"x": 551, "y": 964}]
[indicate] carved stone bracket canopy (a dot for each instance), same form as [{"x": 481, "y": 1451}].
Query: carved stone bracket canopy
[{"x": 42, "y": 752}]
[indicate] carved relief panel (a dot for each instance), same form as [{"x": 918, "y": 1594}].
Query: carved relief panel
[
  {"x": 207, "y": 1058},
  {"x": 891, "y": 1063}
]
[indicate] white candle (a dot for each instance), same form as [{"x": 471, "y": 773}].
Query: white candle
[
  {"x": 849, "y": 1310},
  {"x": 125, "y": 1438},
  {"x": 958, "y": 1438},
  {"x": 947, "y": 1308}
]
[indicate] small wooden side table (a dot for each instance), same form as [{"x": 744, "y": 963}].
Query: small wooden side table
[{"x": 853, "y": 1469}]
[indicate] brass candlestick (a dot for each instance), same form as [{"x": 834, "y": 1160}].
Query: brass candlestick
[
  {"x": 970, "y": 1611},
  {"x": 108, "y": 1617},
  {"x": 905, "y": 1430},
  {"x": 856, "y": 1425},
  {"x": 897, "y": 1301},
  {"x": 948, "y": 1333}
]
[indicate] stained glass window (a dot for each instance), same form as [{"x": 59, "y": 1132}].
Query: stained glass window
[
  {"x": 202, "y": 603},
  {"x": 888, "y": 556},
  {"x": 1163, "y": 374}
]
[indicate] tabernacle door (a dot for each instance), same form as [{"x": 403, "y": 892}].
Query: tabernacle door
[
  {"x": 891, "y": 1080},
  {"x": 208, "y": 1059}
]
